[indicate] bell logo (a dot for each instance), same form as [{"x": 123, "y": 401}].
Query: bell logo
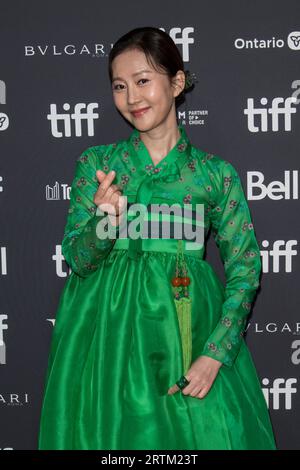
[{"x": 275, "y": 189}]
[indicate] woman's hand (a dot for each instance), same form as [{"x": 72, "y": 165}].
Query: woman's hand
[
  {"x": 108, "y": 197},
  {"x": 201, "y": 375}
]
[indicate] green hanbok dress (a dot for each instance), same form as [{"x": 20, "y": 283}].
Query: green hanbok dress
[{"x": 117, "y": 347}]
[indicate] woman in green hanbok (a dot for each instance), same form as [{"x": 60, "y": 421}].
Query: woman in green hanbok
[{"x": 147, "y": 349}]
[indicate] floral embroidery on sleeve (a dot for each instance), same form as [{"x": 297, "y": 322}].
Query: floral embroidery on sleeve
[
  {"x": 233, "y": 232},
  {"x": 81, "y": 247}
]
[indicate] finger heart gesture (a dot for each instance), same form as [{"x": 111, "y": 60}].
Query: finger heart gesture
[{"x": 108, "y": 197}]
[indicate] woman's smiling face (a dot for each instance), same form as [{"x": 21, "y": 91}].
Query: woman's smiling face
[{"x": 137, "y": 85}]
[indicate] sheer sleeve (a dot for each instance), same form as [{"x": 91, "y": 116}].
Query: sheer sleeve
[
  {"x": 233, "y": 232},
  {"x": 82, "y": 248}
]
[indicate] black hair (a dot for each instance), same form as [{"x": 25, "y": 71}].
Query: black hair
[{"x": 160, "y": 50}]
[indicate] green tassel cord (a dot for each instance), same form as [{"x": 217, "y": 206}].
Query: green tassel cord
[
  {"x": 183, "y": 304},
  {"x": 184, "y": 310}
]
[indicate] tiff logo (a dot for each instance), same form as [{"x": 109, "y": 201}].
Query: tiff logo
[
  {"x": 53, "y": 193},
  {"x": 59, "y": 258},
  {"x": 78, "y": 116},
  {"x": 275, "y": 111},
  {"x": 182, "y": 36},
  {"x": 275, "y": 189},
  {"x": 281, "y": 249},
  {"x": 281, "y": 393},
  {"x": 3, "y": 326}
]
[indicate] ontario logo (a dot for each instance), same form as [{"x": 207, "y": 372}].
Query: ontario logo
[{"x": 292, "y": 41}]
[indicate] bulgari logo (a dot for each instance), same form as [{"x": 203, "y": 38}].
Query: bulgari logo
[
  {"x": 287, "y": 328},
  {"x": 92, "y": 50},
  {"x": 14, "y": 399},
  {"x": 182, "y": 37}
]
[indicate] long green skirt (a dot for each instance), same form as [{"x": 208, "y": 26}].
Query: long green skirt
[{"x": 115, "y": 352}]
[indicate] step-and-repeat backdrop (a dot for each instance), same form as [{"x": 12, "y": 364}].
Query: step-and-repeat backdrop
[{"x": 56, "y": 100}]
